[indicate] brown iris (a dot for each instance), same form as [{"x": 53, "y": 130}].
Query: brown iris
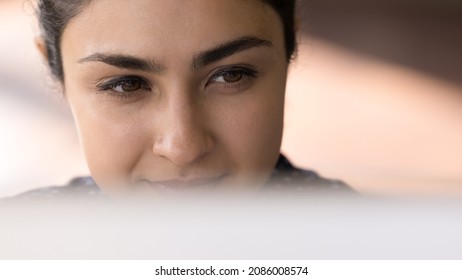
[
  {"x": 130, "y": 85},
  {"x": 232, "y": 76}
]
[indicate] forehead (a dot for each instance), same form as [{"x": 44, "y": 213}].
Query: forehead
[{"x": 139, "y": 26}]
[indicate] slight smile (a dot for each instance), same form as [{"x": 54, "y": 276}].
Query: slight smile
[{"x": 184, "y": 185}]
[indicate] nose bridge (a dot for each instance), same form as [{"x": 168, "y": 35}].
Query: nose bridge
[{"x": 183, "y": 138}]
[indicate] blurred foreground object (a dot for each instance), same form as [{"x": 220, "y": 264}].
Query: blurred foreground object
[{"x": 316, "y": 227}]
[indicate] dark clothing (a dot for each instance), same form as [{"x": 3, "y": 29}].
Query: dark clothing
[{"x": 284, "y": 177}]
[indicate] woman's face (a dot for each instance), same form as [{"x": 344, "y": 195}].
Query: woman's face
[{"x": 174, "y": 95}]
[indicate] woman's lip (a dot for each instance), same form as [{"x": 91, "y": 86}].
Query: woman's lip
[{"x": 178, "y": 184}]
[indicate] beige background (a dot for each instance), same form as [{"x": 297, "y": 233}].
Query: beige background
[{"x": 382, "y": 114}]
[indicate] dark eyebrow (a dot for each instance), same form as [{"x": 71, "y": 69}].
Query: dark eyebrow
[
  {"x": 200, "y": 60},
  {"x": 227, "y": 49},
  {"x": 124, "y": 61}
]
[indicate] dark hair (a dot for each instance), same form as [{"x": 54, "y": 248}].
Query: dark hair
[
  {"x": 54, "y": 15},
  {"x": 286, "y": 11}
]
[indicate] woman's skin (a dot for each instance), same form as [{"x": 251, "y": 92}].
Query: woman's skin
[{"x": 174, "y": 95}]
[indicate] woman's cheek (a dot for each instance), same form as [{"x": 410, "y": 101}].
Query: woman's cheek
[
  {"x": 112, "y": 140},
  {"x": 267, "y": 126},
  {"x": 251, "y": 129}
]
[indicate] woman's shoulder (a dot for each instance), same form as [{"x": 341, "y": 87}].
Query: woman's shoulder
[
  {"x": 287, "y": 176},
  {"x": 80, "y": 187}
]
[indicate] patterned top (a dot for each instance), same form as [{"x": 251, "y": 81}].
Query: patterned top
[{"x": 284, "y": 177}]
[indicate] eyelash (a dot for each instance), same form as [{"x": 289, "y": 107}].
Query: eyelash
[{"x": 110, "y": 86}]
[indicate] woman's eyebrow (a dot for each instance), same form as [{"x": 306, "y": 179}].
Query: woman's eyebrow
[
  {"x": 124, "y": 61},
  {"x": 227, "y": 49},
  {"x": 202, "y": 59}
]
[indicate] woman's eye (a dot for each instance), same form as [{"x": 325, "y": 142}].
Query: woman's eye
[
  {"x": 124, "y": 85},
  {"x": 128, "y": 86},
  {"x": 229, "y": 77},
  {"x": 232, "y": 76}
]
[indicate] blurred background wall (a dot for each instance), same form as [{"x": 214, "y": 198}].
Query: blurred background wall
[{"x": 374, "y": 98}]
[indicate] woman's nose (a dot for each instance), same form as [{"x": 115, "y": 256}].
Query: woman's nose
[{"x": 183, "y": 137}]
